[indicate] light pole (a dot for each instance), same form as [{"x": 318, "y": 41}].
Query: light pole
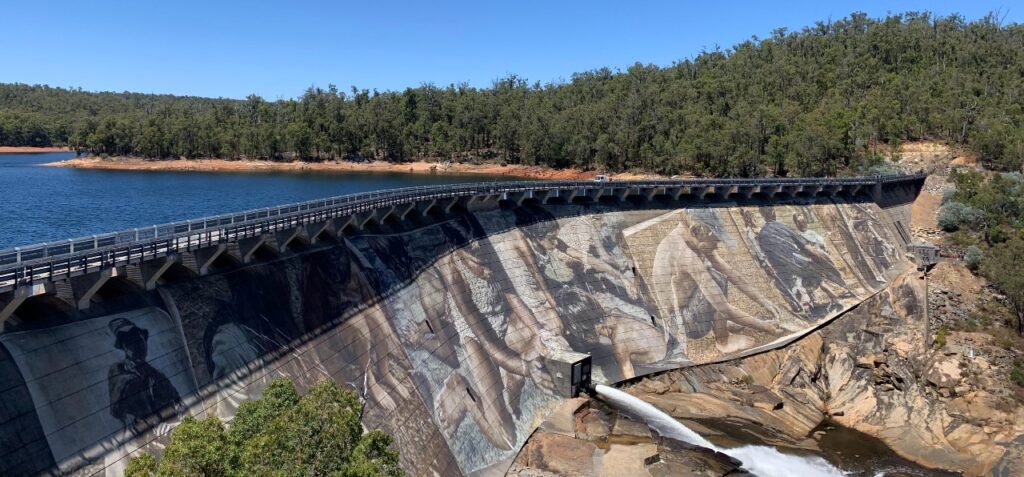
[
  {"x": 927, "y": 318},
  {"x": 926, "y": 256}
]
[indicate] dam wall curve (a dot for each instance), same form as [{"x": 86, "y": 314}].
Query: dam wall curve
[{"x": 445, "y": 326}]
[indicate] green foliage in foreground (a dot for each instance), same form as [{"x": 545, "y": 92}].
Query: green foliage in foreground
[
  {"x": 811, "y": 102},
  {"x": 281, "y": 434}
]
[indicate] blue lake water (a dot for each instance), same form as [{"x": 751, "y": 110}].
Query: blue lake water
[{"x": 41, "y": 204}]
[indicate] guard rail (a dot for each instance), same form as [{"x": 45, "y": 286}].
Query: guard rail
[{"x": 54, "y": 260}]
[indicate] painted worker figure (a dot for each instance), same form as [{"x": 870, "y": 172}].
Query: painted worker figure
[
  {"x": 851, "y": 252},
  {"x": 137, "y": 389},
  {"x": 800, "y": 266},
  {"x": 499, "y": 318},
  {"x": 596, "y": 292},
  {"x": 812, "y": 236},
  {"x": 230, "y": 347},
  {"x": 691, "y": 278},
  {"x": 866, "y": 225}
]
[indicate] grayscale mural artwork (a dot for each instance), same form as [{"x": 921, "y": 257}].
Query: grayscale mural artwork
[
  {"x": 446, "y": 329},
  {"x": 126, "y": 373}
]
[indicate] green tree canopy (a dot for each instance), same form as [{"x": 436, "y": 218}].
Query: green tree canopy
[
  {"x": 810, "y": 102},
  {"x": 1002, "y": 266},
  {"x": 988, "y": 208},
  {"x": 281, "y": 434}
]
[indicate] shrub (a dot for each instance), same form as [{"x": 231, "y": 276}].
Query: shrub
[
  {"x": 1017, "y": 375},
  {"x": 143, "y": 465},
  {"x": 972, "y": 257},
  {"x": 1015, "y": 177},
  {"x": 954, "y": 215},
  {"x": 950, "y": 215},
  {"x": 279, "y": 434},
  {"x": 940, "y": 337},
  {"x": 973, "y": 218},
  {"x": 883, "y": 169}
]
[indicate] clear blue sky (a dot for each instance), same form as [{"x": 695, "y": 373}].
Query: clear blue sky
[{"x": 277, "y": 49}]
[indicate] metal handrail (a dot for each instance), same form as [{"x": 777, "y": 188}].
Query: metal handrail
[{"x": 22, "y": 265}]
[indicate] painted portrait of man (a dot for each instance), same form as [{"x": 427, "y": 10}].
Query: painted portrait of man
[
  {"x": 106, "y": 386},
  {"x": 137, "y": 389}
]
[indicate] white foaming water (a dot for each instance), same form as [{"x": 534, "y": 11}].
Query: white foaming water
[
  {"x": 761, "y": 460},
  {"x": 655, "y": 418},
  {"x": 769, "y": 462}
]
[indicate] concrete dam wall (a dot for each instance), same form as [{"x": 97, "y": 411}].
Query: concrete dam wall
[{"x": 445, "y": 327}]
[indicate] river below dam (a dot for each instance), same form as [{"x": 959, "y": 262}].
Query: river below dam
[
  {"x": 843, "y": 452},
  {"x": 54, "y": 203}
]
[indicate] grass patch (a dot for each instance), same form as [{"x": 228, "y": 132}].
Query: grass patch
[{"x": 1017, "y": 373}]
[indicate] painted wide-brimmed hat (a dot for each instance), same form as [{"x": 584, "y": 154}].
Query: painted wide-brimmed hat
[{"x": 122, "y": 328}]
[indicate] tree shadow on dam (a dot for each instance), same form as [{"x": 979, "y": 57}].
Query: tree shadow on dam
[{"x": 443, "y": 324}]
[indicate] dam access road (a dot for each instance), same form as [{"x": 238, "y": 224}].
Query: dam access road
[{"x": 446, "y": 308}]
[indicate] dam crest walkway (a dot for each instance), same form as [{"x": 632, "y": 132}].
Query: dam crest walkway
[{"x": 74, "y": 270}]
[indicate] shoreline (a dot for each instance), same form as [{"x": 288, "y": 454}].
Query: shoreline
[
  {"x": 414, "y": 167},
  {"x": 32, "y": 149}
]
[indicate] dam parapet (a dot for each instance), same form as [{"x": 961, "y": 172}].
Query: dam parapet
[{"x": 450, "y": 311}]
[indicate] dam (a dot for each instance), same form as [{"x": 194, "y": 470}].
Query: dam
[{"x": 447, "y": 309}]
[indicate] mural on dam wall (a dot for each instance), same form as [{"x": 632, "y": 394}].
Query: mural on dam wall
[
  {"x": 96, "y": 383},
  {"x": 445, "y": 330}
]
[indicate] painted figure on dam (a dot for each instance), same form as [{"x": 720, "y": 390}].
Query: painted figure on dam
[
  {"x": 338, "y": 287},
  {"x": 137, "y": 390},
  {"x": 233, "y": 350},
  {"x": 500, "y": 336},
  {"x": 450, "y": 317},
  {"x": 691, "y": 279},
  {"x": 849, "y": 252},
  {"x": 867, "y": 228},
  {"x": 103, "y": 387},
  {"x": 232, "y": 330},
  {"x": 595, "y": 287},
  {"x": 800, "y": 266}
]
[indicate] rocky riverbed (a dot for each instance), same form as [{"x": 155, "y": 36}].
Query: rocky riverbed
[
  {"x": 948, "y": 407},
  {"x": 587, "y": 438},
  {"x": 869, "y": 373}
]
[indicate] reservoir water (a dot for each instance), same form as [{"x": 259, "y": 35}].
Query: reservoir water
[{"x": 41, "y": 204}]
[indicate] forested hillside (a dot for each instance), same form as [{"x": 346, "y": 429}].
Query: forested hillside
[{"x": 813, "y": 102}]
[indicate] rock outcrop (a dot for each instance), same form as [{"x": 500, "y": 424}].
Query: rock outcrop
[
  {"x": 870, "y": 370},
  {"x": 603, "y": 442}
]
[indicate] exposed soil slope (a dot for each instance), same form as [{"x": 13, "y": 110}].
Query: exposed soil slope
[
  {"x": 417, "y": 167},
  {"x": 30, "y": 150}
]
